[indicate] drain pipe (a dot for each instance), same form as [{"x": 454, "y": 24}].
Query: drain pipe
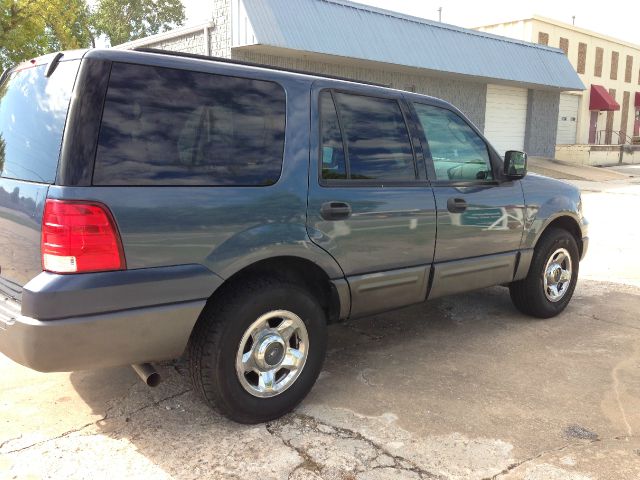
[{"x": 147, "y": 373}]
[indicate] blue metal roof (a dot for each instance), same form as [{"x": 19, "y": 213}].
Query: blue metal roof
[{"x": 348, "y": 29}]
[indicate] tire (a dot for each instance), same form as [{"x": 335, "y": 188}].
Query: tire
[
  {"x": 214, "y": 346},
  {"x": 530, "y": 295}
]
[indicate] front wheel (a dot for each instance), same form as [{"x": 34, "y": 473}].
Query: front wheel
[
  {"x": 552, "y": 277},
  {"x": 258, "y": 350}
]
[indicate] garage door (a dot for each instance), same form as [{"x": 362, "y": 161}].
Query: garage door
[
  {"x": 567, "y": 119},
  {"x": 506, "y": 117}
]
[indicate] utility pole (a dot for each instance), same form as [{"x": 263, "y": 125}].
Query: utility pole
[
  {"x": 440, "y": 14},
  {"x": 573, "y": 20}
]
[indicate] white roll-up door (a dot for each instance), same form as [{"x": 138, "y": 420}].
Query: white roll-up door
[
  {"x": 506, "y": 117},
  {"x": 567, "y": 119}
]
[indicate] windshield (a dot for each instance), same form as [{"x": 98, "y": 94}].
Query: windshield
[{"x": 33, "y": 110}]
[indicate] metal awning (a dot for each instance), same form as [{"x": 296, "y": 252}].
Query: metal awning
[
  {"x": 349, "y": 30},
  {"x": 600, "y": 99}
]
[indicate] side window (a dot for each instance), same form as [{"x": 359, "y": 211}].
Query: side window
[
  {"x": 334, "y": 164},
  {"x": 458, "y": 153},
  {"x": 165, "y": 126},
  {"x": 378, "y": 145}
]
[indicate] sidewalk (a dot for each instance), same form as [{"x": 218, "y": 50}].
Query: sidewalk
[{"x": 567, "y": 171}]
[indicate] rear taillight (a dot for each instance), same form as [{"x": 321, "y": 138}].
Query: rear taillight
[{"x": 79, "y": 237}]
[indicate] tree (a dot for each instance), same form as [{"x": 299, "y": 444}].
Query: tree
[
  {"x": 122, "y": 21},
  {"x": 29, "y": 28}
]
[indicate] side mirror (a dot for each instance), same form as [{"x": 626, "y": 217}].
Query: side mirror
[{"x": 515, "y": 164}]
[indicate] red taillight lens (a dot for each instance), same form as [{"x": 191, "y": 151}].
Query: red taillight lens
[{"x": 79, "y": 237}]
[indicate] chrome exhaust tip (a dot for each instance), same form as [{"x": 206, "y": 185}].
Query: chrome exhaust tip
[{"x": 147, "y": 373}]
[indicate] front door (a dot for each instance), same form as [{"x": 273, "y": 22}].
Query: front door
[
  {"x": 636, "y": 124},
  {"x": 370, "y": 205},
  {"x": 480, "y": 217}
]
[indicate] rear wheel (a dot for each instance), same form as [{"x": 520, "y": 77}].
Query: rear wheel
[
  {"x": 552, "y": 277},
  {"x": 258, "y": 350}
]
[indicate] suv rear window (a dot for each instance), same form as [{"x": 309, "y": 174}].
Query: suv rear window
[
  {"x": 33, "y": 111},
  {"x": 165, "y": 126}
]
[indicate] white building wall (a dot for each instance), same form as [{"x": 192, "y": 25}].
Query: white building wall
[{"x": 530, "y": 29}]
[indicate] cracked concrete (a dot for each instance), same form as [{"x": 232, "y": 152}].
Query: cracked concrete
[{"x": 458, "y": 388}]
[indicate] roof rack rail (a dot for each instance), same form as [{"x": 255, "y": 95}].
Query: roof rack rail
[{"x": 251, "y": 64}]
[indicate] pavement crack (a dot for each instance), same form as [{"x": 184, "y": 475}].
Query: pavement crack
[
  {"x": 399, "y": 463},
  {"x": 58, "y": 437},
  {"x": 307, "y": 461},
  {"x": 597, "y": 318},
  {"x": 370, "y": 336},
  {"x": 515, "y": 465},
  {"x": 5, "y": 442},
  {"x": 153, "y": 404},
  {"x": 616, "y": 390},
  {"x": 87, "y": 425}
]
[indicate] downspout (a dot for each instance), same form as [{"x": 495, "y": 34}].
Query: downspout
[{"x": 207, "y": 40}]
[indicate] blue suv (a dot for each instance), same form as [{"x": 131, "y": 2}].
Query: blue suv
[{"x": 153, "y": 204}]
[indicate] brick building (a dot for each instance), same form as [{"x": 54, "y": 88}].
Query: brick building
[{"x": 608, "y": 111}]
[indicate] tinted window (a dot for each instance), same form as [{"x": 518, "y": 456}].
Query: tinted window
[
  {"x": 175, "y": 127},
  {"x": 459, "y": 154},
  {"x": 33, "y": 111},
  {"x": 378, "y": 145},
  {"x": 332, "y": 149}
]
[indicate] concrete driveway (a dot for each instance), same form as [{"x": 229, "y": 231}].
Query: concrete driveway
[{"x": 463, "y": 387}]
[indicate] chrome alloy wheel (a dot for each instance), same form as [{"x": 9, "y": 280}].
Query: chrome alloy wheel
[
  {"x": 272, "y": 353},
  {"x": 557, "y": 275}
]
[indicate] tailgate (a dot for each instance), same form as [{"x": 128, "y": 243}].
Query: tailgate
[{"x": 34, "y": 100}]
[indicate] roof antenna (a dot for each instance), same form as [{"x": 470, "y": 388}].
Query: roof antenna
[
  {"x": 440, "y": 14},
  {"x": 573, "y": 20}
]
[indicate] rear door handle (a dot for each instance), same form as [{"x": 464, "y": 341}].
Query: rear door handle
[
  {"x": 456, "y": 205},
  {"x": 335, "y": 210}
]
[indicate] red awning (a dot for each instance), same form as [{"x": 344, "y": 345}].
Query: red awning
[
  {"x": 637, "y": 102},
  {"x": 600, "y": 99}
]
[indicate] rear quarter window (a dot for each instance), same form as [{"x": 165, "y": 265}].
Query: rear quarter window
[
  {"x": 33, "y": 112},
  {"x": 165, "y": 126}
]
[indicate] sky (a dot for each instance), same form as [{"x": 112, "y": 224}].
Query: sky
[{"x": 617, "y": 18}]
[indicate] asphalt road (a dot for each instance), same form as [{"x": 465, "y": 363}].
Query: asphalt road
[{"x": 463, "y": 387}]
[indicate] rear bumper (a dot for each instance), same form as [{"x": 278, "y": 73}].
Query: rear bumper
[
  {"x": 102, "y": 340},
  {"x": 85, "y": 321}
]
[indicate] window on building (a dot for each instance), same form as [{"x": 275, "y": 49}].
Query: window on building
[
  {"x": 332, "y": 155},
  {"x": 165, "y": 126},
  {"x": 564, "y": 45},
  {"x": 614, "y": 65},
  {"x": 628, "y": 69},
  {"x": 543, "y": 38},
  {"x": 609, "y": 125},
  {"x": 597, "y": 69},
  {"x": 624, "y": 117},
  {"x": 582, "y": 57},
  {"x": 378, "y": 144},
  {"x": 458, "y": 152}
]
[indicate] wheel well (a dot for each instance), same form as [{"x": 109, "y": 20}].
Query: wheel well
[
  {"x": 290, "y": 269},
  {"x": 570, "y": 225}
]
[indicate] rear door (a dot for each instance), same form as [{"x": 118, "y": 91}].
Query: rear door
[
  {"x": 370, "y": 205},
  {"x": 33, "y": 111},
  {"x": 480, "y": 216}
]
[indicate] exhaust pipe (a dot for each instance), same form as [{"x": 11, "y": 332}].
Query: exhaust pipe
[{"x": 147, "y": 373}]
